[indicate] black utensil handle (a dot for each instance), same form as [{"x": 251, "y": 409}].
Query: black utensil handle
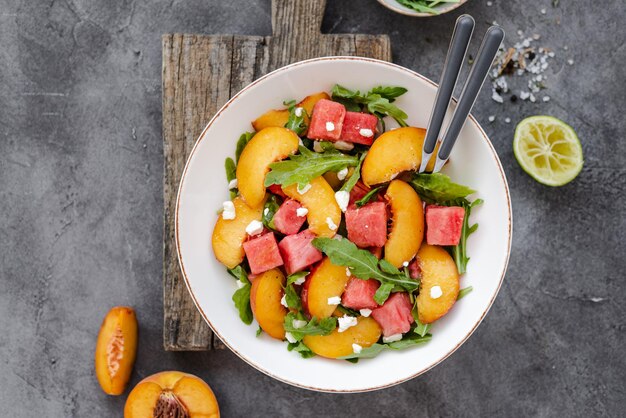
[
  {"x": 461, "y": 37},
  {"x": 486, "y": 54}
]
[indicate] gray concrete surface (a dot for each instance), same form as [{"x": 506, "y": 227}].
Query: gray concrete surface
[{"x": 81, "y": 209}]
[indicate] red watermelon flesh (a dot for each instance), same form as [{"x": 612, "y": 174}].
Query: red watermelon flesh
[
  {"x": 367, "y": 225},
  {"x": 359, "y": 294},
  {"x": 444, "y": 224},
  {"x": 326, "y": 112},
  {"x": 262, "y": 253},
  {"x": 298, "y": 252},
  {"x": 394, "y": 317},
  {"x": 286, "y": 219},
  {"x": 352, "y": 125}
]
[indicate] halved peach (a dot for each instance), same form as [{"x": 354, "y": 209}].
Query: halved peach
[
  {"x": 265, "y": 296},
  {"x": 438, "y": 269},
  {"x": 407, "y": 223},
  {"x": 326, "y": 281},
  {"x": 171, "y": 394},
  {"x": 279, "y": 117},
  {"x": 392, "y": 153},
  {"x": 266, "y": 147},
  {"x": 319, "y": 199},
  {"x": 229, "y": 235},
  {"x": 338, "y": 344}
]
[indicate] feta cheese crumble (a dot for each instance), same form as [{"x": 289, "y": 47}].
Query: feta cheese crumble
[
  {"x": 254, "y": 228},
  {"x": 392, "y": 338},
  {"x": 365, "y": 312},
  {"x": 298, "y": 323},
  {"x": 368, "y": 133},
  {"x": 232, "y": 184},
  {"x": 304, "y": 189},
  {"x": 341, "y": 174},
  {"x": 283, "y": 301},
  {"x": 229, "y": 210},
  {"x": 240, "y": 284},
  {"x": 317, "y": 146},
  {"x": 290, "y": 338},
  {"x": 331, "y": 225},
  {"x": 301, "y": 212},
  {"x": 299, "y": 280},
  {"x": 348, "y": 272},
  {"x": 266, "y": 211},
  {"x": 343, "y": 146},
  {"x": 298, "y": 111},
  {"x": 405, "y": 264},
  {"x": 330, "y": 126},
  {"x": 435, "y": 292},
  {"x": 356, "y": 349},
  {"x": 343, "y": 198},
  {"x": 335, "y": 300},
  {"x": 346, "y": 322}
]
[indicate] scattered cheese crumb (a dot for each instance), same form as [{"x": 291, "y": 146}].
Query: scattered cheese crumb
[
  {"x": 343, "y": 198},
  {"x": 283, "y": 301},
  {"x": 435, "y": 292},
  {"x": 232, "y": 184},
  {"x": 240, "y": 284},
  {"x": 330, "y": 126},
  {"x": 304, "y": 189},
  {"x": 348, "y": 272},
  {"x": 317, "y": 146},
  {"x": 341, "y": 174},
  {"x": 266, "y": 211},
  {"x": 335, "y": 300},
  {"x": 300, "y": 280},
  {"x": 300, "y": 142},
  {"x": 368, "y": 133},
  {"x": 301, "y": 212},
  {"x": 298, "y": 323},
  {"x": 343, "y": 146},
  {"x": 365, "y": 312},
  {"x": 298, "y": 111},
  {"x": 492, "y": 118},
  {"x": 356, "y": 349},
  {"x": 346, "y": 322},
  {"x": 392, "y": 338},
  {"x": 290, "y": 338},
  {"x": 405, "y": 264},
  {"x": 254, "y": 228},
  {"x": 229, "y": 210},
  {"x": 331, "y": 225}
]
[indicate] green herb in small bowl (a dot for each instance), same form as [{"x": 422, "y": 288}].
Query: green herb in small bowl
[{"x": 421, "y": 8}]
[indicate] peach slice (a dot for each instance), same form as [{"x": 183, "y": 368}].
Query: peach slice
[
  {"x": 116, "y": 349},
  {"x": 407, "y": 223},
  {"x": 280, "y": 117},
  {"x": 326, "y": 281},
  {"x": 266, "y": 147},
  {"x": 265, "y": 295},
  {"x": 338, "y": 344},
  {"x": 171, "y": 394},
  {"x": 324, "y": 212},
  {"x": 229, "y": 235},
  {"x": 392, "y": 153},
  {"x": 438, "y": 269}
]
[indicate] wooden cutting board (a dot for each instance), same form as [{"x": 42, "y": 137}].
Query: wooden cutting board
[{"x": 200, "y": 73}]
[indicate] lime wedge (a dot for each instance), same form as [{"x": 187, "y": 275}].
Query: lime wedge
[{"x": 548, "y": 150}]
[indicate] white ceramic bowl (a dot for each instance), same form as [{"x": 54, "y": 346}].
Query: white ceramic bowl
[
  {"x": 203, "y": 188},
  {"x": 399, "y": 8}
]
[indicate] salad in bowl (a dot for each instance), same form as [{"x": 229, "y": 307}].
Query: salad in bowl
[{"x": 336, "y": 244}]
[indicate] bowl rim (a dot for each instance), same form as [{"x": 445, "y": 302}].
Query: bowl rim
[
  {"x": 445, "y": 9},
  {"x": 184, "y": 273}
]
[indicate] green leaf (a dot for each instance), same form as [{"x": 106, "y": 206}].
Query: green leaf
[
  {"x": 354, "y": 178},
  {"x": 313, "y": 327},
  {"x": 363, "y": 265},
  {"x": 296, "y": 276},
  {"x": 303, "y": 167},
  {"x": 367, "y": 352},
  {"x": 231, "y": 174},
  {"x": 378, "y": 104},
  {"x": 259, "y": 331},
  {"x": 420, "y": 329},
  {"x": 294, "y": 122},
  {"x": 371, "y": 195},
  {"x": 301, "y": 348},
  {"x": 292, "y": 298},
  {"x": 464, "y": 292},
  {"x": 241, "y": 143},
  {"x": 239, "y": 273},
  {"x": 348, "y": 311},
  {"x": 438, "y": 188},
  {"x": 459, "y": 252},
  {"x": 382, "y": 293},
  {"x": 389, "y": 92},
  {"x": 387, "y": 267},
  {"x": 408, "y": 340},
  {"x": 377, "y": 101},
  {"x": 242, "y": 302},
  {"x": 269, "y": 210}
]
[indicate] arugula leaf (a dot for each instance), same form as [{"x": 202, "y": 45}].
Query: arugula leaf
[
  {"x": 296, "y": 123},
  {"x": 377, "y": 101},
  {"x": 292, "y": 278},
  {"x": 313, "y": 327},
  {"x": 269, "y": 210},
  {"x": 409, "y": 340},
  {"x": 389, "y": 92},
  {"x": 348, "y": 311},
  {"x": 420, "y": 329},
  {"x": 438, "y": 188},
  {"x": 301, "y": 348},
  {"x": 367, "y": 352},
  {"x": 239, "y": 273},
  {"x": 371, "y": 195},
  {"x": 378, "y": 104},
  {"x": 364, "y": 265},
  {"x": 259, "y": 331},
  {"x": 464, "y": 292},
  {"x": 292, "y": 298},
  {"x": 242, "y": 142},
  {"x": 354, "y": 178},
  {"x": 382, "y": 293},
  {"x": 425, "y": 6},
  {"x": 459, "y": 252},
  {"x": 231, "y": 174},
  {"x": 241, "y": 297},
  {"x": 303, "y": 167}
]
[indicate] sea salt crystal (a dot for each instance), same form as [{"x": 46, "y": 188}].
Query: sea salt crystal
[
  {"x": 546, "y": 98},
  {"x": 492, "y": 118},
  {"x": 496, "y": 97},
  {"x": 543, "y": 11},
  {"x": 532, "y": 98},
  {"x": 507, "y": 120},
  {"x": 570, "y": 61},
  {"x": 489, "y": 3},
  {"x": 524, "y": 95}
]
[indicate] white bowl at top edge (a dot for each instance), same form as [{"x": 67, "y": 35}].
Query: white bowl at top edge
[
  {"x": 399, "y": 8},
  {"x": 203, "y": 188}
]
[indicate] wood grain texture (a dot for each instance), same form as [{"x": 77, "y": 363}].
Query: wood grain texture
[{"x": 200, "y": 73}]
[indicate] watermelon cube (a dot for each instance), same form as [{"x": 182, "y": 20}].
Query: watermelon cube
[
  {"x": 415, "y": 270},
  {"x": 286, "y": 219},
  {"x": 298, "y": 252},
  {"x": 444, "y": 224},
  {"x": 359, "y": 294},
  {"x": 358, "y": 192},
  {"x": 326, "y": 120},
  {"x": 359, "y": 128},
  {"x": 262, "y": 253},
  {"x": 277, "y": 190},
  {"x": 394, "y": 317},
  {"x": 367, "y": 225}
]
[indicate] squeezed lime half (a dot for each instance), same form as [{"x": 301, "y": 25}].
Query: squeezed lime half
[{"x": 548, "y": 150}]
